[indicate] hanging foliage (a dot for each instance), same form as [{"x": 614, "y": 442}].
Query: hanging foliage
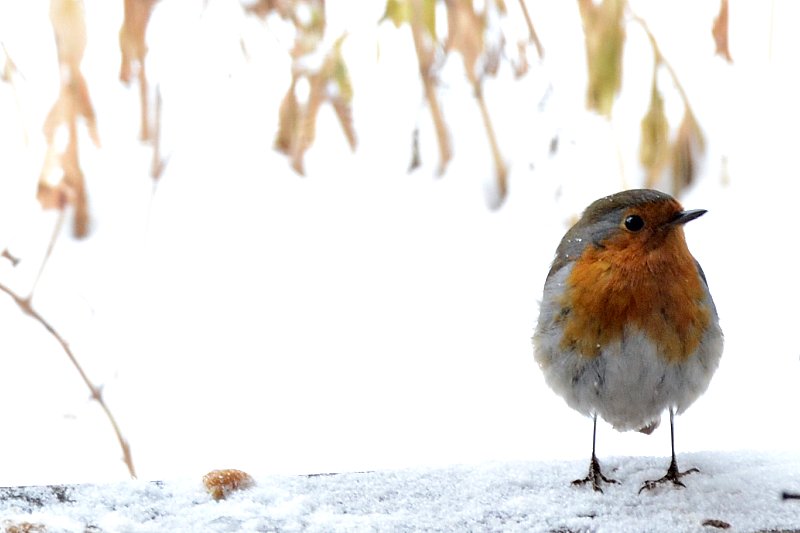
[
  {"x": 328, "y": 82},
  {"x": 604, "y": 28},
  {"x": 61, "y": 182}
]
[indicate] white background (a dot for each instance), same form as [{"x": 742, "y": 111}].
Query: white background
[{"x": 362, "y": 317}]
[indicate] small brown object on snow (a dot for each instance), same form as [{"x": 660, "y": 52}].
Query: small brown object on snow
[
  {"x": 220, "y": 483},
  {"x": 10, "y": 526}
]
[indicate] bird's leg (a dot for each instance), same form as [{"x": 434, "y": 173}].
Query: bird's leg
[
  {"x": 595, "y": 476},
  {"x": 673, "y": 474}
]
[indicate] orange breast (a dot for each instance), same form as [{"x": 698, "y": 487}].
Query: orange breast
[{"x": 656, "y": 290}]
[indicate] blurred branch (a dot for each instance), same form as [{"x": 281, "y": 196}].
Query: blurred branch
[
  {"x": 96, "y": 392},
  {"x": 531, "y": 31},
  {"x": 48, "y": 252},
  {"x": 159, "y": 162},
  {"x": 467, "y": 33},
  {"x": 661, "y": 60},
  {"x": 9, "y": 68},
  {"x": 8, "y": 73},
  {"x": 14, "y": 260},
  {"x": 689, "y": 138}
]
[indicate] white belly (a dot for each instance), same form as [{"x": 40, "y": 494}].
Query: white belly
[{"x": 627, "y": 384}]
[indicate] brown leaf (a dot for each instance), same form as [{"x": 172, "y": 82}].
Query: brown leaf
[
  {"x": 654, "y": 142},
  {"x": 720, "y": 31},
  {"x": 424, "y": 45},
  {"x": 306, "y": 131},
  {"x": 689, "y": 142},
  {"x": 51, "y": 196},
  {"x": 604, "y": 31},
  {"x": 69, "y": 26},
  {"x": 298, "y": 120},
  {"x": 521, "y": 66},
  {"x": 133, "y": 48},
  {"x": 132, "y": 43},
  {"x": 465, "y": 34},
  {"x": 288, "y": 119},
  {"x": 344, "y": 113},
  {"x": 79, "y": 93}
]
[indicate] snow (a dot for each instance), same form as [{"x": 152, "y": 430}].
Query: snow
[{"x": 742, "y": 490}]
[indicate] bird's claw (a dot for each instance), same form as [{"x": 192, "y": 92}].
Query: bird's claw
[
  {"x": 595, "y": 477},
  {"x": 673, "y": 475}
]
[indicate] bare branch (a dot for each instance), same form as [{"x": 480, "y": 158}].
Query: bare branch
[
  {"x": 96, "y": 392},
  {"x": 661, "y": 60},
  {"x": 532, "y": 32}
]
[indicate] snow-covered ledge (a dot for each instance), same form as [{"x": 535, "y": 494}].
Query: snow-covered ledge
[{"x": 733, "y": 491}]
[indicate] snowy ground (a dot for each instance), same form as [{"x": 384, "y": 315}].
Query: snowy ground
[
  {"x": 742, "y": 490},
  {"x": 363, "y": 318}
]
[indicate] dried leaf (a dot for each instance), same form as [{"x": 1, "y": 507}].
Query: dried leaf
[
  {"x": 288, "y": 119},
  {"x": 51, "y": 196},
  {"x": 69, "y": 26},
  {"x": 424, "y": 45},
  {"x": 465, "y": 34},
  {"x": 133, "y": 48},
  {"x": 654, "y": 147},
  {"x": 344, "y": 113},
  {"x": 398, "y": 11},
  {"x": 521, "y": 66},
  {"x": 132, "y": 43},
  {"x": 429, "y": 17},
  {"x": 605, "y": 36},
  {"x": 720, "y": 32},
  {"x": 83, "y": 104},
  {"x": 689, "y": 142},
  {"x": 9, "y": 68},
  {"x": 339, "y": 72},
  {"x": 262, "y": 8},
  {"x": 306, "y": 132}
]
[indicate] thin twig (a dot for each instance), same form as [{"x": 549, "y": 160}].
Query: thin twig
[
  {"x": 7, "y": 255},
  {"x": 661, "y": 60},
  {"x": 50, "y": 246},
  {"x": 96, "y": 392},
  {"x": 501, "y": 172},
  {"x": 532, "y": 32}
]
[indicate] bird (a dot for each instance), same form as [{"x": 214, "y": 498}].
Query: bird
[{"x": 627, "y": 327}]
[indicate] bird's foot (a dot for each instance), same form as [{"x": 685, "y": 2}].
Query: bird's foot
[
  {"x": 673, "y": 475},
  {"x": 595, "y": 477}
]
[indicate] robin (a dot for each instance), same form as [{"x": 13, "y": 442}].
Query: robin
[{"x": 627, "y": 327}]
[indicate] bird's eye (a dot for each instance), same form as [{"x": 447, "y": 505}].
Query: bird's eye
[{"x": 634, "y": 223}]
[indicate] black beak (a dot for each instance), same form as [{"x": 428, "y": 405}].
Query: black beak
[{"x": 687, "y": 216}]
